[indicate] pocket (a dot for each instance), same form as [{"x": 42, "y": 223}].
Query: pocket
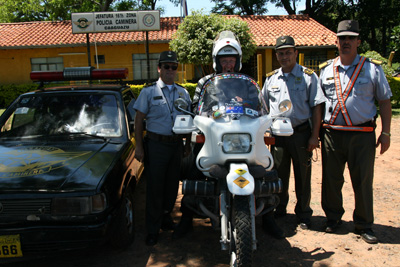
[
  {"x": 159, "y": 106},
  {"x": 362, "y": 88}
]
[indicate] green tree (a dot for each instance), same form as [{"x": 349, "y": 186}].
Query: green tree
[
  {"x": 193, "y": 41},
  {"x": 240, "y": 7}
]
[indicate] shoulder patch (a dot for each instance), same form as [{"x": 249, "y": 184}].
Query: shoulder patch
[
  {"x": 375, "y": 61},
  {"x": 326, "y": 63},
  {"x": 149, "y": 84},
  {"x": 308, "y": 71},
  {"x": 271, "y": 73},
  {"x": 180, "y": 85}
]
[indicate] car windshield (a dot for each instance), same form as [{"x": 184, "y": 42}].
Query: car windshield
[
  {"x": 231, "y": 94},
  {"x": 57, "y": 114}
]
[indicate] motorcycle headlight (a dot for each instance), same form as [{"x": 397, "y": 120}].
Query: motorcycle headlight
[
  {"x": 236, "y": 143},
  {"x": 79, "y": 205}
]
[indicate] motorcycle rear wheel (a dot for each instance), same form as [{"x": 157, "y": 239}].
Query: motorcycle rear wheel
[{"x": 241, "y": 237}]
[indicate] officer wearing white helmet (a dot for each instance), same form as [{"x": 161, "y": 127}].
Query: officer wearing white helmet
[{"x": 227, "y": 57}]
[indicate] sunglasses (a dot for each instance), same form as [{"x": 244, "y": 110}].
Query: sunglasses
[
  {"x": 342, "y": 38},
  {"x": 166, "y": 66}
]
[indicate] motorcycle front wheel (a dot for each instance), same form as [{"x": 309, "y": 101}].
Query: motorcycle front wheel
[{"x": 241, "y": 236}]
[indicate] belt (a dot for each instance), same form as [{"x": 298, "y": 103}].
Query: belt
[
  {"x": 368, "y": 126},
  {"x": 163, "y": 138},
  {"x": 302, "y": 127}
]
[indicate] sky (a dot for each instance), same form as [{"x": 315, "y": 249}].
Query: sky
[{"x": 171, "y": 11}]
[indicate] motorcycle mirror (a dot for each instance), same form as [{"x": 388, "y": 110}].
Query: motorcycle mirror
[
  {"x": 181, "y": 105},
  {"x": 285, "y": 106}
]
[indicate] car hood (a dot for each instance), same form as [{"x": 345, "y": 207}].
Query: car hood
[{"x": 44, "y": 168}]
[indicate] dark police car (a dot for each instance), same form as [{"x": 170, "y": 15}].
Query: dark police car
[{"x": 67, "y": 168}]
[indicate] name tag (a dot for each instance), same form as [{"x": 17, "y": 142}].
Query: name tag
[{"x": 157, "y": 97}]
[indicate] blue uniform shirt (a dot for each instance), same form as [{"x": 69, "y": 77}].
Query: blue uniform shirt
[
  {"x": 371, "y": 85},
  {"x": 300, "y": 86},
  {"x": 157, "y": 102}
]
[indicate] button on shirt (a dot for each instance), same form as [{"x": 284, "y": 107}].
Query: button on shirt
[
  {"x": 370, "y": 85},
  {"x": 157, "y": 102},
  {"x": 297, "y": 86}
]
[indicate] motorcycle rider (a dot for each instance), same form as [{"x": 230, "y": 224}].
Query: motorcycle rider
[{"x": 227, "y": 57}]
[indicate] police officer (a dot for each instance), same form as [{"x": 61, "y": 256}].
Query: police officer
[
  {"x": 351, "y": 84},
  {"x": 161, "y": 149},
  {"x": 300, "y": 85}
]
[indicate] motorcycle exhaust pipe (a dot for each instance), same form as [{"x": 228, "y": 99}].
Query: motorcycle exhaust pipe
[
  {"x": 265, "y": 188},
  {"x": 198, "y": 188}
]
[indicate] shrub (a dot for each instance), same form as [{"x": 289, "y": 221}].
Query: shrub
[
  {"x": 395, "y": 87},
  {"x": 10, "y": 92},
  {"x": 190, "y": 87}
]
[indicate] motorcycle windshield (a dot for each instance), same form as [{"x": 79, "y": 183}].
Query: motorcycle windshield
[{"x": 231, "y": 94}]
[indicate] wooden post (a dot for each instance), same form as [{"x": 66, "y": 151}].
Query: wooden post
[{"x": 259, "y": 70}]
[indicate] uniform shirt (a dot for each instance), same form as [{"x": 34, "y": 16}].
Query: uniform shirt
[
  {"x": 300, "y": 86},
  {"x": 370, "y": 85},
  {"x": 157, "y": 102}
]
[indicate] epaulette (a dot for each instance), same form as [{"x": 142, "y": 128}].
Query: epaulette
[
  {"x": 375, "y": 61},
  {"x": 326, "y": 63},
  {"x": 150, "y": 84},
  {"x": 271, "y": 73},
  {"x": 308, "y": 71}
]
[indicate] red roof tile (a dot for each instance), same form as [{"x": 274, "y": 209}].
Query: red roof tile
[{"x": 265, "y": 29}]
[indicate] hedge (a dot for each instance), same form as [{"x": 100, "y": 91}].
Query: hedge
[
  {"x": 9, "y": 92},
  {"x": 190, "y": 87},
  {"x": 395, "y": 87}
]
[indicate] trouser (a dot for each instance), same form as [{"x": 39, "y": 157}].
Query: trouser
[
  {"x": 162, "y": 168},
  {"x": 292, "y": 149},
  {"x": 358, "y": 150}
]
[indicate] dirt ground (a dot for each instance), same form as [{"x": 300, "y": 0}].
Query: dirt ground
[{"x": 311, "y": 247}]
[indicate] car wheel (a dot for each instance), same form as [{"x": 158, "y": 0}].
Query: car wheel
[{"x": 123, "y": 227}]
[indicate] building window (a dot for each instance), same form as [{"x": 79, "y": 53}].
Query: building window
[
  {"x": 100, "y": 59},
  {"x": 140, "y": 66},
  {"x": 47, "y": 63}
]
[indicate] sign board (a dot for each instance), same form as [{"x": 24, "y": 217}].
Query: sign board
[{"x": 118, "y": 21}]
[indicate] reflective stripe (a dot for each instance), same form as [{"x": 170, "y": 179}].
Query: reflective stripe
[
  {"x": 342, "y": 97},
  {"x": 348, "y": 128}
]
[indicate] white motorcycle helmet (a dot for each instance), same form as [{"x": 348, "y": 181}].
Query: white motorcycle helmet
[{"x": 226, "y": 44}]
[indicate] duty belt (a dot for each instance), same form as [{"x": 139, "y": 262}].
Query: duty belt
[
  {"x": 302, "y": 127},
  {"x": 163, "y": 138}
]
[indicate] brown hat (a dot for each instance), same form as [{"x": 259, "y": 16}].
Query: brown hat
[
  {"x": 284, "y": 42},
  {"x": 168, "y": 56},
  {"x": 348, "y": 28}
]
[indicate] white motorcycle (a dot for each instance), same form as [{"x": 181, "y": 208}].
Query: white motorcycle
[{"x": 239, "y": 183}]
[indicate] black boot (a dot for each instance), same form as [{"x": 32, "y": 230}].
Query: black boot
[
  {"x": 167, "y": 223},
  {"x": 271, "y": 227},
  {"x": 184, "y": 226}
]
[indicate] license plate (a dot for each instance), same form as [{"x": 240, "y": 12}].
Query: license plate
[{"x": 10, "y": 246}]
